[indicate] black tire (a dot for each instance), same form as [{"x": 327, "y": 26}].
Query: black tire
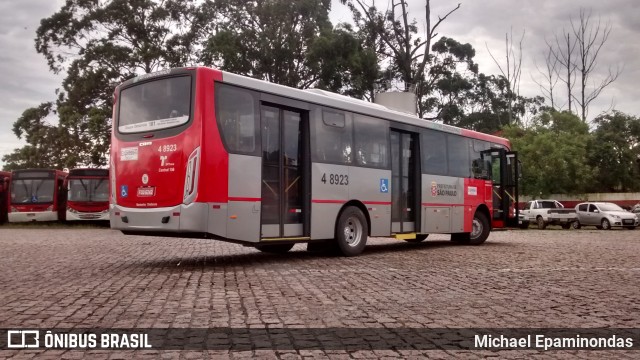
[
  {"x": 606, "y": 225},
  {"x": 351, "y": 232},
  {"x": 419, "y": 238},
  {"x": 479, "y": 233},
  {"x": 481, "y": 229},
  {"x": 576, "y": 225},
  {"x": 274, "y": 248},
  {"x": 541, "y": 224},
  {"x": 524, "y": 225},
  {"x": 566, "y": 226}
]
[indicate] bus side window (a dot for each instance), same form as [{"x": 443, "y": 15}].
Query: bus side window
[
  {"x": 237, "y": 117},
  {"x": 333, "y": 138},
  {"x": 434, "y": 152},
  {"x": 459, "y": 164},
  {"x": 371, "y": 142}
]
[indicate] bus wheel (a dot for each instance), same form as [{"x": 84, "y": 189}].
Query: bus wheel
[
  {"x": 419, "y": 238},
  {"x": 351, "y": 232},
  {"x": 274, "y": 248},
  {"x": 480, "y": 229}
]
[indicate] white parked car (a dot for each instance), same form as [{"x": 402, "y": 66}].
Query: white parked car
[{"x": 604, "y": 215}]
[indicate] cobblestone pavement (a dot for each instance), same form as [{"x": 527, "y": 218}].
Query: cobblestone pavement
[{"x": 99, "y": 278}]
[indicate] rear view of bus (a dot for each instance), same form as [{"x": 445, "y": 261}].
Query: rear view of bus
[
  {"x": 88, "y": 194},
  {"x": 155, "y": 154},
  {"x": 37, "y": 195}
]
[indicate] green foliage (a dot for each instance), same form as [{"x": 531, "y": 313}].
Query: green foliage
[
  {"x": 47, "y": 145},
  {"x": 554, "y": 154},
  {"x": 291, "y": 43},
  {"x": 613, "y": 151}
]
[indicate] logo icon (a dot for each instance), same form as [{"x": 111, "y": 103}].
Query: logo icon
[
  {"x": 145, "y": 179},
  {"x": 434, "y": 188},
  {"x": 124, "y": 191},
  {"x": 384, "y": 185},
  {"x": 23, "y": 340}
]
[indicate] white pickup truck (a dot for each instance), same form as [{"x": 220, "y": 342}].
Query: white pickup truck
[{"x": 547, "y": 212}]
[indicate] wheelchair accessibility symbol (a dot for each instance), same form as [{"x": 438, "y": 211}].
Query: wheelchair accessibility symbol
[
  {"x": 124, "y": 191},
  {"x": 384, "y": 185}
]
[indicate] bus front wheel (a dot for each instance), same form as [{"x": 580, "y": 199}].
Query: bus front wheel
[
  {"x": 351, "y": 232},
  {"x": 480, "y": 230}
]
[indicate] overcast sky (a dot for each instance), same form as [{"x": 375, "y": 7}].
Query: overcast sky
[{"x": 27, "y": 82}]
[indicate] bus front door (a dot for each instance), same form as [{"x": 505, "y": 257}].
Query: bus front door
[
  {"x": 505, "y": 176},
  {"x": 283, "y": 151}
]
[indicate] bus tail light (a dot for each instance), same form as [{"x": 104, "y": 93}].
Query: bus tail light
[
  {"x": 112, "y": 178},
  {"x": 50, "y": 208},
  {"x": 191, "y": 176}
]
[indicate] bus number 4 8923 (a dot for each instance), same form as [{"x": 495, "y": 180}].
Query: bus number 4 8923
[{"x": 335, "y": 179}]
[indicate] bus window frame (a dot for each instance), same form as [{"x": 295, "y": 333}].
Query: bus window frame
[{"x": 160, "y": 133}]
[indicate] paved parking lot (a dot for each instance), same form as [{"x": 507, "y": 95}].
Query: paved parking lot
[{"x": 99, "y": 278}]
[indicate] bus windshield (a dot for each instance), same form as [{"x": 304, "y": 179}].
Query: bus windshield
[
  {"x": 88, "y": 190},
  {"x": 155, "y": 105},
  {"x": 32, "y": 191}
]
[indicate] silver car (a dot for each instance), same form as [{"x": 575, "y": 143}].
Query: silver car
[{"x": 604, "y": 215}]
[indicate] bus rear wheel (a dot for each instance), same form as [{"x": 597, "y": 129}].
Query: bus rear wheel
[
  {"x": 275, "y": 248},
  {"x": 351, "y": 232}
]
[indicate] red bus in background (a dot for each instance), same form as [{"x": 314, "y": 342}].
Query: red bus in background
[
  {"x": 5, "y": 180},
  {"x": 87, "y": 194},
  {"x": 37, "y": 195},
  {"x": 204, "y": 153}
]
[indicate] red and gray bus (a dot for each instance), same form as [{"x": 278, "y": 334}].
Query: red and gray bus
[
  {"x": 5, "y": 180},
  {"x": 37, "y": 195},
  {"x": 206, "y": 153},
  {"x": 88, "y": 194}
]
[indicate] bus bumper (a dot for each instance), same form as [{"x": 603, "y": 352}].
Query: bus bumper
[
  {"x": 181, "y": 218},
  {"x": 83, "y": 216},
  {"x": 33, "y": 216}
]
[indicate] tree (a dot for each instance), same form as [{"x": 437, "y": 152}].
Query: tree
[
  {"x": 590, "y": 39},
  {"x": 563, "y": 53},
  {"x": 291, "y": 43},
  {"x": 100, "y": 44},
  {"x": 449, "y": 81},
  {"x": 551, "y": 78},
  {"x": 511, "y": 71},
  {"x": 613, "y": 150},
  {"x": 577, "y": 54},
  {"x": 407, "y": 53},
  {"x": 553, "y": 153}
]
